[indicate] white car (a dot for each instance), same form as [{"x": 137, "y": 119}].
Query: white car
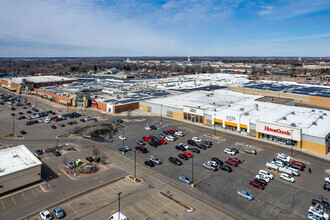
[
  {"x": 45, "y": 215},
  {"x": 197, "y": 139},
  {"x": 284, "y": 157},
  {"x": 318, "y": 212},
  {"x": 287, "y": 177},
  {"x": 170, "y": 138},
  {"x": 184, "y": 145},
  {"x": 229, "y": 151},
  {"x": 121, "y": 137},
  {"x": 40, "y": 120},
  {"x": 278, "y": 163},
  {"x": 265, "y": 173},
  {"x": 179, "y": 133},
  {"x": 327, "y": 180},
  {"x": 212, "y": 163},
  {"x": 47, "y": 121},
  {"x": 260, "y": 176},
  {"x": 148, "y": 128}
]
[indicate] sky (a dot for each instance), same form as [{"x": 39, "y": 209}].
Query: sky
[{"x": 95, "y": 28}]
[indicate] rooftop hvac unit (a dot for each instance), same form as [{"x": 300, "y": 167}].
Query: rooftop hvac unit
[
  {"x": 320, "y": 117},
  {"x": 241, "y": 109},
  {"x": 284, "y": 118},
  {"x": 256, "y": 105},
  {"x": 246, "y": 113},
  {"x": 324, "y": 114},
  {"x": 314, "y": 123},
  {"x": 293, "y": 125},
  {"x": 212, "y": 103},
  {"x": 313, "y": 110},
  {"x": 257, "y": 109},
  {"x": 293, "y": 113},
  {"x": 214, "y": 109}
]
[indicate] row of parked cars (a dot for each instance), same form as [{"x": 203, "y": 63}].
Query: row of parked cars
[{"x": 318, "y": 208}]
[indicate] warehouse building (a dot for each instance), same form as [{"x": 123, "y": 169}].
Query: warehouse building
[
  {"x": 272, "y": 118},
  {"x": 18, "y": 168}
]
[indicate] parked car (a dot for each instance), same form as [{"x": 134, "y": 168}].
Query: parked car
[
  {"x": 187, "y": 154},
  {"x": 57, "y": 212},
  {"x": 327, "y": 180},
  {"x": 195, "y": 150},
  {"x": 229, "y": 151},
  {"x": 209, "y": 166},
  {"x": 22, "y": 132},
  {"x": 170, "y": 138},
  {"x": 122, "y": 137},
  {"x": 230, "y": 162},
  {"x": 326, "y": 186},
  {"x": 265, "y": 173},
  {"x": 45, "y": 215},
  {"x": 166, "y": 132},
  {"x": 53, "y": 127},
  {"x": 257, "y": 184},
  {"x": 146, "y": 138},
  {"x": 287, "y": 177},
  {"x": 184, "y": 145},
  {"x": 182, "y": 156},
  {"x": 159, "y": 135},
  {"x": 324, "y": 204},
  {"x": 298, "y": 163},
  {"x": 208, "y": 144},
  {"x": 262, "y": 181},
  {"x": 191, "y": 142},
  {"x": 57, "y": 153},
  {"x": 153, "y": 143},
  {"x": 318, "y": 212},
  {"x": 260, "y": 176},
  {"x": 148, "y": 128},
  {"x": 179, "y": 133},
  {"x": 153, "y": 127},
  {"x": 217, "y": 160},
  {"x": 235, "y": 159},
  {"x": 90, "y": 159},
  {"x": 61, "y": 125},
  {"x": 39, "y": 152},
  {"x": 180, "y": 147},
  {"x": 185, "y": 179},
  {"x": 123, "y": 149},
  {"x": 212, "y": 163},
  {"x": 161, "y": 140},
  {"x": 225, "y": 168},
  {"x": 149, "y": 163},
  {"x": 295, "y": 166},
  {"x": 197, "y": 139},
  {"x": 244, "y": 194},
  {"x": 249, "y": 150},
  {"x": 119, "y": 120},
  {"x": 155, "y": 160},
  {"x": 139, "y": 142},
  {"x": 142, "y": 149},
  {"x": 175, "y": 161},
  {"x": 285, "y": 158},
  {"x": 201, "y": 146}
]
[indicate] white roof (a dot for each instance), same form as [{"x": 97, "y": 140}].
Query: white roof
[
  {"x": 15, "y": 159},
  {"x": 39, "y": 79}
]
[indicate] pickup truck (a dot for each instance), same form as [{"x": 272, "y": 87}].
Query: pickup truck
[{"x": 325, "y": 204}]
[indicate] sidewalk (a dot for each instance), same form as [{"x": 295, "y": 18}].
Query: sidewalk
[{"x": 325, "y": 157}]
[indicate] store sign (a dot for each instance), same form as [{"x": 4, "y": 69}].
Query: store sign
[
  {"x": 230, "y": 118},
  {"x": 195, "y": 111},
  {"x": 192, "y": 110},
  {"x": 95, "y": 103},
  {"x": 277, "y": 130}
]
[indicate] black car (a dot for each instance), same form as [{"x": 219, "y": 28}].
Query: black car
[
  {"x": 217, "y": 160},
  {"x": 201, "y": 146},
  {"x": 22, "y": 132},
  {"x": 153, "y": 143},
  {"x": 119, "y": 120},
  {"x": 324, "y": 204},
  {"x": 234, "y": 149},
  {"x": 180, "y": 147},
  {"x": 139, "y": 142},
  {"x": 191, "y": 142},
  {"x": 39, "y": 152},
  {"x": 195, "y": 150},
  {"x": 12, "y": 114},
  {"x": 182, "y": 156},
  {"x": 70, "y": 123},
  {"x": 326, "y": 186},
  {"x": 170, "y": 131},
  {"x": 90, "y": 159},
  {"x": 225, "y": 168},
  {"x": 295, "y": 166},
  {"x": 264, "y": 182},
  {"x": 153, "y": 127},
  {"x": 82, "y": 120},
  {"x": 175, "y": 161},
  {"x": 207, "y": 143},
  {"x": 149, "y": 163},
  {"x": 57, "y": 153},
  {"x": 123, "y": 149},
  {"x": 53, "y": 127},
  {"x": 61, "y": 125},
  {"x": 21, "y": 113},
  {"x": 74, "y": 122}
]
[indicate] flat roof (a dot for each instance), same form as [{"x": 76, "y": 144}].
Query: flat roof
[
  {"x": 15, "y": 159},
  {"x": 273, "y": 99},
  {"x": 39, "y": 79}
]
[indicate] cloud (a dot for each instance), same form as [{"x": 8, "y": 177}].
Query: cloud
[{"x": 267, "y": 10}]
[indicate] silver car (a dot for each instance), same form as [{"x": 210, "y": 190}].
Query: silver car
[
  {"x": 185, "y": 179},
  {"x": 209, "y": 166},
  {"x": 244, "y": 194},
  {"x": 155, "y": 160}
]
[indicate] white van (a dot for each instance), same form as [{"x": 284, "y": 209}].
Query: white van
[
  {"x": 265, "y": 173},
  {"x": 121, "y": 216}
]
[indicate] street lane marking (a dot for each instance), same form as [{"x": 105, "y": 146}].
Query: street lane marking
[
  {"x": 137, "y": 213},
  {"x": 13, "y": 199},
  {"x": 3, "y": 206},
  {"x": 89, "y": 200},
  {"x": 105, "y": 193},
  {"x": 71, "y": 207},
  {"x": 34, "y": 193},
  {"x": 112, "y": 189},
  {"x": 168, "y": 206},
  {"x": 23, "y": 196}
]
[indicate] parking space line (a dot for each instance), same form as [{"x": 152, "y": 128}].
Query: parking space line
[
  {"x": 201, "y": 180},
  {"x": 35, "y": 195},
  {"x": 137, "y": 213},
  {"x": 13, "y": 200},
  {"x": 168, "y": 206},
  {"x": 3, "y": 205},
  {"x": 119, "y": 186},
  {"x": 112, "y": 189},
  {"x": 105, "y": 193},
  {"x": 157, "y": 211},
  {"x": 261, "y": 193},
  {"x": 126, "y": 184},
  {"x": 23, "y": 196},
  {"x": 152, "y": 205},
  {"x": 146, "y": 211},
  {"x": 71, "y": 207},
  {"x": 89, "y": 200}
]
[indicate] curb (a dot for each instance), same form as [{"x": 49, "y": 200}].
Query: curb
[
  {"x": 73, "y": 196},
  {"x": 183, "y": 205}
]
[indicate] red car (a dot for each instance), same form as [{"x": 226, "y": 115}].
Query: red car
[
  {"x": 299, "y": 163},
  {"x": 257, "y": 184},
  {"x": 174, "y": 130},
  {"x": 166, "y": 132},
  {"x": 231, "y": 162},
  {"x": 182, "y": 156},
  {"x": 235, "y": 159},
  {"x": 187, "y": 154},
  {"x": 161, "y": 140},
  {"x": 146, "y": 138},
  {"x": 56, "y": 119}
]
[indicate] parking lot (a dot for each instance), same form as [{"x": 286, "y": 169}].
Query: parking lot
[{"x": 280, "y": 199}]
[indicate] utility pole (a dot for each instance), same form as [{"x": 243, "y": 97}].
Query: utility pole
[
  {"x": 123, "y": 135},
  {"x": 119, "y": 205},
  {"x": 291, "y": 145}
]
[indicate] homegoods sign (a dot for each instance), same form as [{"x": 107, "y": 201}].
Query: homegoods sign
[{"x": 279, "y": 130}]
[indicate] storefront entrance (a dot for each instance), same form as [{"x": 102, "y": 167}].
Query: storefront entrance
[{"x": 279, "y": 139}]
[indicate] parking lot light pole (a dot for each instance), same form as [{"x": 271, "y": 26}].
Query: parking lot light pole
[
  {"x": 134, "y": 177},
  {"x": 192, "y": 171},
  {"x": 291, "y": 145},
  {"x": 13, "y": 124},
  {"x": 161, "y": 113},
  {"x": 322, "y": 199},
  {"x": 119, "y": 205},
  {"x": 123, "y": 135}
]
